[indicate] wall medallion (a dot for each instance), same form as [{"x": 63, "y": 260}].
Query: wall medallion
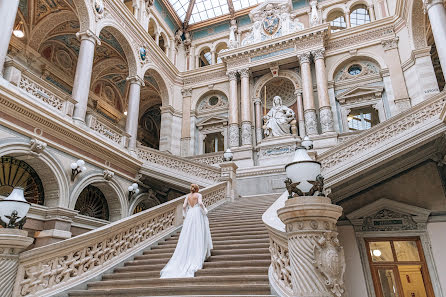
[
  {"x": 142, "y": 54},
  {"x": 271, "y": 24}
]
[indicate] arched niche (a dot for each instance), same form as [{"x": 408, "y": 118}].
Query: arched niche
[{"x": 143, "y": 202}]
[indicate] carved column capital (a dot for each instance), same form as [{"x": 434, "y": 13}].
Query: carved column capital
[
  {"x": 232, "y": 75},
  {"x": 318, "y": 54},
  {"x": 427, "y": 4},
  {"x": 298, "y": 92},
  {"x": 257, "y": 101},
  {"x": 186, "y": 92},
  {"x": 244, "y": 72},
  {"x": 304, "y": 58},
  {"x": 88, "y": 35},
  {"x": 135, "y": 80},
  {"x": 390, "y": 43}
]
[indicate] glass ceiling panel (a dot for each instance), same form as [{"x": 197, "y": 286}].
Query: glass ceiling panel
[
  {"x": 240, "y": 4},
  {"x": 180, "y": 7},
  {"x": 208, "y": 9}
]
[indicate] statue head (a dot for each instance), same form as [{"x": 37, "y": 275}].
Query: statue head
[{"x": 277, "y": 101}]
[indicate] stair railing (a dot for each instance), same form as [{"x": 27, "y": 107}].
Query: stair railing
[{"x": 54, "y": 268}]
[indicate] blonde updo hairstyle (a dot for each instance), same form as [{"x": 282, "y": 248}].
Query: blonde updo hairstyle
[{"x": 194, "y": 188}]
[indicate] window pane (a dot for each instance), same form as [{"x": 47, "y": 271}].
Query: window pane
[
  {"x": 359, "y": 16},
  {"x": 381, "y": 251},
  {"x": 388, "y": 283},
  {"x": 406, "y": 250}
]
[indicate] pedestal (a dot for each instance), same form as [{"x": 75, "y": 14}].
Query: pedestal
[
  {"x": 57, "y": 226},
  {"x": 228, "y": 174},
  {"x": 316, "y": 258},
  {"x": 12, "y": 243},
  {"x": 277, "y": 150}
]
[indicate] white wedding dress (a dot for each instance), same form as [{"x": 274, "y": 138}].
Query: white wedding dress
[{"x": 194, "y": 244}]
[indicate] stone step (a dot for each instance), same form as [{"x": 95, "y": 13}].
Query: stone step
[
  {"x": 193, "y": 290},
  {"x": 238, "y": 263},
  {"x": 219, "y": 242},
  {"x": 171, "y": 248}
]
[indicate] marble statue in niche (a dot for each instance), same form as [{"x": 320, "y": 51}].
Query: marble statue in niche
[{"x": 278, "y": 120}]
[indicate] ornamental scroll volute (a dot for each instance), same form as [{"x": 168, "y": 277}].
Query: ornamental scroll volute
[{"x": 330, "y": 262}]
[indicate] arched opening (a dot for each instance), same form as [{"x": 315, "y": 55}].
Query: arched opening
[
  {"x": 146, "y": 201},
  {"x": 337, "y": 21},
  {"x": 439, "y": 73},
  {"x": 152, "y": 30},
  {"x": 162, "y": 42},
  {"x": 205, "y": 57},
  {"x": 150, "y": 126},
  {"x": 18, "y": 173},
  {"x": 219, "y": 48},
  {"x": 359, "y": 15},
  {"x": 91, "y": 202}
]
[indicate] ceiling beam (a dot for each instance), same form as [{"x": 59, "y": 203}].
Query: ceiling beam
[
  {"x": 172, "y": 12},
  {"x": 189, "y": 13},
  {"x": 231, "y": 8}
]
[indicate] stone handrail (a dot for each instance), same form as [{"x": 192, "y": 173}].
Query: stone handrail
[
  {"x": 176, "y": 165},
  {"x": 107, "y": 129},
  {"x": 382, "y": 133},
  {"x": 54, "y": 268},
  {"x": 46, "y": 94},
  {"x": 208, "y": 159},
  {"x": 280, "y": 271}
]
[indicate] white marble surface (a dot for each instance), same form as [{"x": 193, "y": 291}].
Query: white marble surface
[{"x": 270, "y": 216}]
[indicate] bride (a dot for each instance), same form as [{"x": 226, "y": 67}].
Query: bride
[{"x": 195, "y": 242}]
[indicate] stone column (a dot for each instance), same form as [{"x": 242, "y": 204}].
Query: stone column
[
  {"x": 82, "y": 78},
  {"x": 213, "y": 59},
  {"x": 185, "y": 124},
  {"x": 325, "y": 114},
  {"x": 131, "y": 126},
  {"x": 437, "y": 18},
  {"x": 228, "y": 174},
  {"x": 192, "y": 58},
  {"x": 8, "y": 12},
  {"x": 392, "y": 58},
  {"x": 234, "y": 138},
  {"x": 371, "y": 12},
  {"x": 300, "y": 113},
  {"x": 172, "y": 50},
  {"x": 347, "y": 18},
  {"x": 307, "y": 89},
  {"x": 246, "y": 107},
  {"x": 259, "y": 117},
  {"x": 317, "y": 260},
  {"x": 12, "y": 243}
]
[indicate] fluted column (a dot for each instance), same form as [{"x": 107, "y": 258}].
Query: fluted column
[
  {"x": 246, "y": 107},
  {"x": 437, "y": 18},
  {"x": 234, "y": 138},
  {"x": 131, "y": 126},
  {"x": 325, "y": 114},
  {"x": 300, "y": 113},
  {"x": 8, "y": 12},
  {"x": 258, "y": 123},
  {"x": 82, "y": 78},
  {"x": 185, "y": 124},
  {"x": 371, "y": 12},
  {"x": 308, "y": 98}
]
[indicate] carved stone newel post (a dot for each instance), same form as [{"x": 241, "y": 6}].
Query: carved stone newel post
[
  {"x": 317, "y": 261},
  {"x": 12, "y": 243},
  {"x": 228, "y": 174}
]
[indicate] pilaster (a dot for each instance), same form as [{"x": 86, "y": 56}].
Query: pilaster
[
  {"x": 185, "y": 125},
  {"x": 234, "y": 138}
]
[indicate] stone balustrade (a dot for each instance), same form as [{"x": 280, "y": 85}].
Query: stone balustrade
[
  {"x": 208, "y": 159},
  {"x": 164, "y": 162},
  {"x": 105, "y": 128},
  {"x": 52, "y": 269},
  {"x": 280, "y": 271}
]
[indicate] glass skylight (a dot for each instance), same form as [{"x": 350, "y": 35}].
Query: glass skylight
[
  {"x": 180, "y": 7},
  {"x": 240, "y": 4},
  {"x": 208, "y": 9}
]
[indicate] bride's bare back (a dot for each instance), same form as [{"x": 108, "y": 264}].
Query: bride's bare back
[{"x": 193, "y": 199}]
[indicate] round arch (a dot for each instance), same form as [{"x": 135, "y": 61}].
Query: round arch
[
  {"x": 151, "y": 199},
  {"x": 51, "y": 172},
  {"x": 291, "y": 75},
  {"x": 113, "y": 192},
  {"x": 199, "y": 49},
  {"x": 86, "y": 15},
  {"x": 123, "y": 39},
  {"x": 156, "y": 73},
  {"x": 347, "y": 58},
  {"x": 352, "y": 4},
  {"x": 417, "y": 25},
  {"x": 196, "y": 99},
  {"x": 333, "y": 9}
]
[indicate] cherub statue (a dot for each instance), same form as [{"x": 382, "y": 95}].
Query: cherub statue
[
  {"x": 292, "y": 188},
  {"x": 14, "y": 221},
  {"x": 318, "y": 186},
  {"x": 178, "y": 37}
]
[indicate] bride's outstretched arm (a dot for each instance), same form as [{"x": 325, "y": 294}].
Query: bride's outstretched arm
[{"x": 200, "y": 202}]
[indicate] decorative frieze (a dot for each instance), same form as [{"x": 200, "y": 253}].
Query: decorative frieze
[
  {"x": 389, "y": 44},
  {"x": 233, "y": 135},
  {"x": 310, "y": 121},
  {"x": 246, "y": 133},
  {"x": 326, "y": 119},
  {"x": 358, "y": 38},
  {"x": 40, "y": 93}
]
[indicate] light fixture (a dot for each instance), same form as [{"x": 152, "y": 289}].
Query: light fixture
[
  {"x": 349, "y": 117},
  {"x": 377, "y": 253},
  {"x": 228, "y": 155},
  {"x": 133, "y": 190},
  {"x": 125, "y": 113},
  {"x": 76, "y": 168},
  {"x": 19, "y": 30},
  {"x": 13, "y": 209},
  {"x": 303, "y": 173}
]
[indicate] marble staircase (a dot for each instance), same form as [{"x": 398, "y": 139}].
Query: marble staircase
[{"x": 238, "y": 265}]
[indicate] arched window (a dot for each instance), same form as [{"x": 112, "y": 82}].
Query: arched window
[
  {"x": 92, "y": 203},
  {"x": 205, "y": 57},
  {"x": 220, "y": 47},
  {"x": 337, "y": 21},
  {"x": 359, "y": 15}
]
